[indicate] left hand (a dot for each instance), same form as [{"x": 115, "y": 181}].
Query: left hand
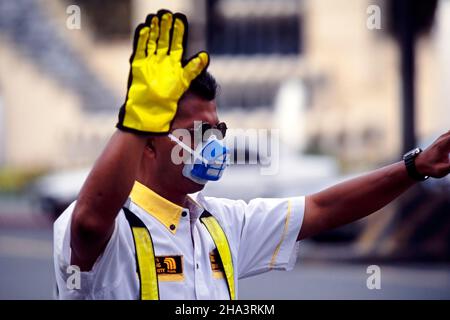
[{"x": 434, "y": 161}]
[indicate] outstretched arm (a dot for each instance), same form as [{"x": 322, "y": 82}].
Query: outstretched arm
[{"x": 354, "y": 199}]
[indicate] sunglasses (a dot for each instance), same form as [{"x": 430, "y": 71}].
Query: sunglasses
[{"x": 206, "y": 130}]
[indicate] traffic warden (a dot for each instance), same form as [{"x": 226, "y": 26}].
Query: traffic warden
[{"x": 141, "y": 228}]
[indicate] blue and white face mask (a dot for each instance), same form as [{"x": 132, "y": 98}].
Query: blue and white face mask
[{"x": 207, "y": 161}]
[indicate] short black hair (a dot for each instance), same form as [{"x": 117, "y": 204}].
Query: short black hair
[{"x": 205, "y": 86}]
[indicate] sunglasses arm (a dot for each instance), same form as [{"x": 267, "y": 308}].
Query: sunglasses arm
[{"x": 187, "y": 148}]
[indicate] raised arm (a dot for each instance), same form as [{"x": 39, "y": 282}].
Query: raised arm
[
  {"x": 359, "y": 197},
  {"x": 103, "y": 194},
  {"x": 157, "y": 82}
]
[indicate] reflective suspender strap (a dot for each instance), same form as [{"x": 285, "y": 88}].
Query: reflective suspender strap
[
  {"x": 145, "y": 254},
  {"x": 145, "y": 257},
  {"x": 221, "y": 242}
]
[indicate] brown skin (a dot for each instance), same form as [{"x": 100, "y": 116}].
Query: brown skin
[
  {"x": 359, "y": 197},
  {"x": 126, "y": 158},
  {"x": 129, "y": 157},
  {"x": 157, "y": 171}
]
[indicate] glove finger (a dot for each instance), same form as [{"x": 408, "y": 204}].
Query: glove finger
[
  {"x": 154, "y": 33},
  {"x": 164, "y": 33},
  {"x": 140, "y": 41},
  {"x": 180, "y": 28},
  {"x": 196, "y": 65}
]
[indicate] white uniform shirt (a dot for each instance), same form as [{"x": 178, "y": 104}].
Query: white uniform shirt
[{"x": 262, "y": 235}]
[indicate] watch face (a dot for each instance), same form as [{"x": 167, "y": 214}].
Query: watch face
[{"x": 411, "y": 153}]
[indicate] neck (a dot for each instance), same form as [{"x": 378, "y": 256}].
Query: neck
[
  {"x": 174, "y": 197},
  {"x": 178, "y": 199}
]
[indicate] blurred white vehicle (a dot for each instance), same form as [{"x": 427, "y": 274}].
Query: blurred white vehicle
[{"x": 55, "y": 191}]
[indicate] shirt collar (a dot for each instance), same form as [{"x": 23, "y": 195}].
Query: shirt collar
[
  {"x": 196, "y": 209},
  {"x": 168, "y": 213}
]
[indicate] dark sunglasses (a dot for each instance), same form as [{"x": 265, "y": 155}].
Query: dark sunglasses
[{"x": 219, "y": 130}]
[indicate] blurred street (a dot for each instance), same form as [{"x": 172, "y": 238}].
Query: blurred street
[
  {"x": 330, "y": 280},
  {"x": 26, "y": 263},
  {"x": 27, "y": 271}
]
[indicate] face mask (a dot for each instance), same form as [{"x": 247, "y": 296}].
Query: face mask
[{"x": 208, "y": 160}]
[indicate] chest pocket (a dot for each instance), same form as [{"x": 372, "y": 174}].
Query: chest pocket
[{"x": 145, "y": 254}]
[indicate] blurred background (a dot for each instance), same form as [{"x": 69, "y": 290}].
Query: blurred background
[{"x": 348, "y": 93}]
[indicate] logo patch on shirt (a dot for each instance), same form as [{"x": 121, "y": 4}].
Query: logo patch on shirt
[
  {"x": 216, "y": 264},
  {"x": 169, "y": 268}
]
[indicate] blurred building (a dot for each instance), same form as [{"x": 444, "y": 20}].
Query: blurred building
[{"x": 60, "y": 89}]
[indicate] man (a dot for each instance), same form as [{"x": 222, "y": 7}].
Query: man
[{"x": 141, "y": 230}]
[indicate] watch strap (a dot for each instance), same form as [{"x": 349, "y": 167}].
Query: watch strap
[{"x": 411, "y": 168}]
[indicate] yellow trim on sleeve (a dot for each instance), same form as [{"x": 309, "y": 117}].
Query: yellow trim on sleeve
[{"x": 283, "y": 236}]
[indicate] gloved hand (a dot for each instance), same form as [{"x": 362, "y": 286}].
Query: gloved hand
[{"x": 157, "y": 77}]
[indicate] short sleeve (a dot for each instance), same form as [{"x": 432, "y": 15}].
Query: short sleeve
[
  {"x": 106, "y": 273},
  {"x": 269, "y": 234}
]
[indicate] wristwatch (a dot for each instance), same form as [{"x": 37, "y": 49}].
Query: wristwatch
[{"x": 409, "y": 159}]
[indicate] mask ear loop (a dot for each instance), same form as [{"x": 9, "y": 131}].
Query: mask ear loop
[{"x": 187, "y": 148}]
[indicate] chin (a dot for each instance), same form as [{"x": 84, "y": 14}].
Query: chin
[{"x": 193, "y": 187}]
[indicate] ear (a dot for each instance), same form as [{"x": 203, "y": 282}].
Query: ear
[{"x": 149, "y": 150}]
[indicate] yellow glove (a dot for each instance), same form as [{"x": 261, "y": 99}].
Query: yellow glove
[{"x": 157, "y": 77}]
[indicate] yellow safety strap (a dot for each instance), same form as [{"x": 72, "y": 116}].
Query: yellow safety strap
[
  {"x": 145, "y": 257},
  {"x": 146, "y": 264},
  {"x": 221, "y": 242},
  {"x": 145, "y": 254}
]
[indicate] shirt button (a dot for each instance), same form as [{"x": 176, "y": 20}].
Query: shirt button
[
  {"x": 184, "y": 214},
  {"x": 172, "y": 227}
]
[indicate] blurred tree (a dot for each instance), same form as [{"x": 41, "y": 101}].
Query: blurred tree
[{"x": 407, "y": 19}]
